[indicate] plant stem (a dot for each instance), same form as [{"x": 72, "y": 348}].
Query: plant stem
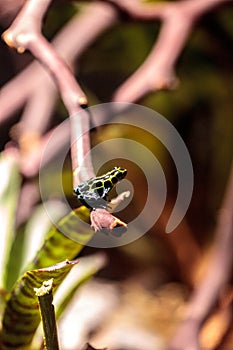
[{"x": 45, "y": 298}]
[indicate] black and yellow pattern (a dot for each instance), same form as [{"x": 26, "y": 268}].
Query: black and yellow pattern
[{"x": 93, "y": 193}]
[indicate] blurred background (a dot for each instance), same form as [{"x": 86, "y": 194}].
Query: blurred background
[{"x": 142, "y": 292}]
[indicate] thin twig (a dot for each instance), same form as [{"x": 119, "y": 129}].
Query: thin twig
[{"x": 80, "y": 148}]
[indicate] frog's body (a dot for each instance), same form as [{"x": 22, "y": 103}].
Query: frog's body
[{"x": 93, "y": 193}]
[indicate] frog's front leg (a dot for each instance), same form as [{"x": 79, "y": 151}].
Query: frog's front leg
[{"x": 102, "y": 203}]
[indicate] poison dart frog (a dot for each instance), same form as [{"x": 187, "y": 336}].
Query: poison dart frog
[{"x": 93, "y": 193}]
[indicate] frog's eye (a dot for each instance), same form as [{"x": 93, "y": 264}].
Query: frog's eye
[{"x": 121, "y": 175}]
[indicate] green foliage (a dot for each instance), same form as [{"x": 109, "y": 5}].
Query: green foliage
[
  {"x": 201, "y": 110},
  {"x": 9, "y": 193},
  {"x": 19, "y": 307},
  {"x": 22, "y": 317}
]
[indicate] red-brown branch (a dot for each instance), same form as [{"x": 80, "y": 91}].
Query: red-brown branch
[
  {"x": 39, "y": 92},
  {"x": 208, "y": 292},
  {"x": 25, "y": 33},
  {"x": 158, "y": 70},
  {"x": 69, "y": 46}
]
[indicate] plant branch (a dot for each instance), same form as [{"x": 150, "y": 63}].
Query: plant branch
[
  {"x": 25, "y": 33},
  {"x": 80, "y": 148},
  {"x": 22, "y": 38},
  {"x": 207, "y": 293},
  {"x": 45, "y": 298},
  {"x": 158, "y": 71},
  {"x": 69, "y": 46},
  {"x": 40, "y": 93}
]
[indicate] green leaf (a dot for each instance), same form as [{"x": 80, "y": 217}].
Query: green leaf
[
  {"x": 29, "y": 237},
  {"x": 81, "y": 273},
  {"x": 57, "y": 246},
  {"x": 87, "y": 267},
  {"x": 37, "y": 229},
  {"x": 9, "y": 192},
  {"x": 22, "y": 316}
]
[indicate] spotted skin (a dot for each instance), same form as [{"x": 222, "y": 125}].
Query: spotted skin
[{"x": 93, "y": 193}]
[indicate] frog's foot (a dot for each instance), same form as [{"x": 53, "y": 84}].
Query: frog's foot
[{"x": 102, "y": 219}]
